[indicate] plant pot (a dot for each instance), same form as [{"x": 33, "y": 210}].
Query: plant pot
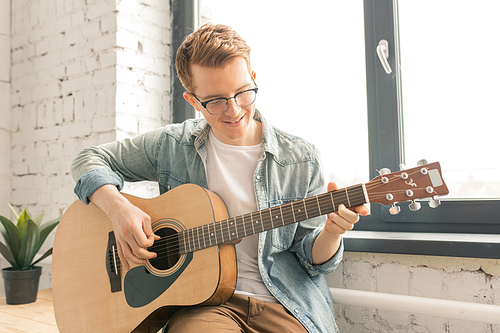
[{"x": 21, "y": 287}]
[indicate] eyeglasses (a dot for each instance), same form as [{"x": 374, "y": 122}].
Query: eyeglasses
[{"x": 219, "y": 105}]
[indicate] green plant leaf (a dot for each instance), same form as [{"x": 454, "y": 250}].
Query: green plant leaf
[
  {"x": 5, "y": 251},
  {"x": 45, "y": 255},
  {"x": 30, "y": 236},
  {"x": 39, "y": 218},
  {"x": 11, "y": 234},
  {"x": 45, "y": 230},
  {"x": 24, "y": 216},
  {"x": 14, "y": 211}
]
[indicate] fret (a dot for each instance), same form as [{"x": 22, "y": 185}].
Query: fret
[
  {"x": 282, "y": 219},
  {"x": 205, "y": 234},
  {"x": 271, "y": 216},
  {"x": 198, "y": 236},
  {"x": 184, "y": 241},
  {"x": 305, "y": 208},
  {"x": 347, "y": 196},
  {"x": 211, "y": 234},
  {"x": 293, "y": 213},
  {"x": 188, "y": 239},
  {"x": 253, "y": 228},
  {"x": 228, "y": 231},
  {"x": 261, "y": 222},
  {"x": 312, "y": 207},
  {"x": 287, "y": 213},
  {"x": 333, "y": 202},
  {"x": 221, "y": 233},
  {"x": 341, "y": 198},
  {"x": 327, "y": 205},
  {"x": 299, "y": 210},
  {"x": 193, "y": 240},
  {"x": 244, "y": 225},
  {"x": 234, "y": 234},
  {"x": 319, "y": 207},
  {"x": 357, "y": 196}
]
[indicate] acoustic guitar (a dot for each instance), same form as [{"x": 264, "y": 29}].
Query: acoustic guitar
[{"x": 196, "y": 262}]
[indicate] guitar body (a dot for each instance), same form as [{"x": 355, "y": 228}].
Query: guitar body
[{"x": 87, "y": 300}]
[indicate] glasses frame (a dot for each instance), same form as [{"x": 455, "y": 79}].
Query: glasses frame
[{"x": 204, "y": 104}]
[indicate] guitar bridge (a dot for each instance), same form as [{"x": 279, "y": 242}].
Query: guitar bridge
[{"x": 113, "y": 264}]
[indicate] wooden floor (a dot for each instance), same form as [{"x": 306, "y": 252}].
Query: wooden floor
[{"x": 34, "y": 317}]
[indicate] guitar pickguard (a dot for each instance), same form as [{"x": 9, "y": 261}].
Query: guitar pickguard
[{"x": 142, "y": 287}]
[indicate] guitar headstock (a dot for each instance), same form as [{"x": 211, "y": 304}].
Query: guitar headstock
[{"x": 423, "y": 181}]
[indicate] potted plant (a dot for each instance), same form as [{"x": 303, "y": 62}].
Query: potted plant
[{"x": 23, "y": 239}]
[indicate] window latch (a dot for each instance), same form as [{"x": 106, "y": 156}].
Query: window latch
[{"x": 383, "y": 55}]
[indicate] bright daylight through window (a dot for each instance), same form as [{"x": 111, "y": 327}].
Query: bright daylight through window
[
  {"x": 310, "y": 73},
  {"x": 450, "y": 88}
]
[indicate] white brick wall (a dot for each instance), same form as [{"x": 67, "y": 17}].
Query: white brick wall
[
  {"x": 460, "y": 279},
  {"x": 5, "y": 112},
  {"x": 84, "y": 72}
]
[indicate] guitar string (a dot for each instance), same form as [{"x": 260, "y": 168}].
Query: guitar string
[
  {"x": 288, "y": 215},
  {"x": 240, "y": 227}
]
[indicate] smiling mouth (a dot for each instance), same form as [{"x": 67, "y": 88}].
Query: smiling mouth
[{"x": 236, "y": 121}]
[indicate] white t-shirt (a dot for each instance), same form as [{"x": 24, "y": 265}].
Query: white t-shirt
[{"x": 230, "y": 174}]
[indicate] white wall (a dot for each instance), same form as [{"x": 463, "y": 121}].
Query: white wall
[
  {"x": 458, "y": 279},
  {"x": 83, "y": 72},
  {"x": 5, "y": 112}
]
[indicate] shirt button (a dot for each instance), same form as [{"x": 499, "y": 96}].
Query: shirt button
[
  {"x": 296, "y": 310},
  {"x": 258, "y": 177}
]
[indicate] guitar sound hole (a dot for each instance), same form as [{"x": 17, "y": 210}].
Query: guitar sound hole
[{"x": 167, "y": 249}]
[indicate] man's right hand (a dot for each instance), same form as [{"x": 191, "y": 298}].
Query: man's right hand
[{"x": 132, "y": 226}]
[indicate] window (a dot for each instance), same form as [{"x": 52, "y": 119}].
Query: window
[
  {"x": 320, "y": 77},
  {"x": 428, "y": 104}
]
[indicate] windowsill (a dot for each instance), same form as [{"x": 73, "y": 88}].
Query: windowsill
[{"x": 436, "y": 244}]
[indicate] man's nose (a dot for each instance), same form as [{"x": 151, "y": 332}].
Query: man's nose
[{"x": 232, "y": 107}]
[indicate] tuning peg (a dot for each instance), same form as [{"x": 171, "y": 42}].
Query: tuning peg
[
  {"x": 422, "y": 162},
  {"x": 414, "y": 206},
  {"x": 433, "y": 203},
  {"x": 402, "y": 166},
  {"x": 394, "y": 210},
  {"x": 384, "y": 171}
]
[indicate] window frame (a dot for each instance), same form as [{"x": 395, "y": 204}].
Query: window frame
[
  {"x": 386, "y": 149},
  {"x": 184, "y": 21}
]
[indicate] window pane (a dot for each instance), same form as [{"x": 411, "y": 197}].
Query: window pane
[
  {"x": 450, "y": 88},
  {"x": 310, "y": 65}
]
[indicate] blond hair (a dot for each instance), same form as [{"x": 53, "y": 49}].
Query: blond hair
[{"x": 209, "y": 46}]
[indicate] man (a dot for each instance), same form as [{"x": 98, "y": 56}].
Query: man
[{"x": 251, "y": 166}]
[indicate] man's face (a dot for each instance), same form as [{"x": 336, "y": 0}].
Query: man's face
[{"x": 235, "y": 126}]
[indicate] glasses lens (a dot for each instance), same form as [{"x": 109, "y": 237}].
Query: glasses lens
[
  {"x": 217, "y": 106},
  {"x": 245, "y": 98}
]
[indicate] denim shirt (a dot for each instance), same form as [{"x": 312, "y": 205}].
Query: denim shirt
[{"x": 288, "y": 170}]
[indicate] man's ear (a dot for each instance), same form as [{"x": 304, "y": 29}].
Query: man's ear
[
  {"x": 254, "y": 75},
  {"x": 191, "y": 100}
]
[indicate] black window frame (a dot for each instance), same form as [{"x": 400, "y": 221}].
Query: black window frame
[{"x": 386, "y": 149}]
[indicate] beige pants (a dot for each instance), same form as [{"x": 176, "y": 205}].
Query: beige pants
[{"x": 238, "y": 314}]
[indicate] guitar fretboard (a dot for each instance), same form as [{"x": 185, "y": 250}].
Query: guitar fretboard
[{"x": 250, "y": 224}]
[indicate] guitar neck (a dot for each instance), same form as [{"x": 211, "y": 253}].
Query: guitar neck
[{"x": 250, "y": 224}]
